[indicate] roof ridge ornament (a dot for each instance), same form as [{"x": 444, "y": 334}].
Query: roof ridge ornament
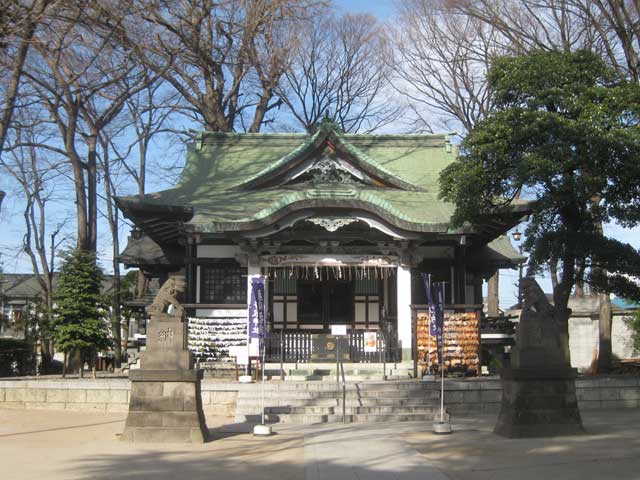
[
  {"x": 331, "y": 224},
  {"x": 327, "y": 123}
]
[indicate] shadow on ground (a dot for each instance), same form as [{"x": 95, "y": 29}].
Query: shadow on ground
[{"x": 610, "y": 448}]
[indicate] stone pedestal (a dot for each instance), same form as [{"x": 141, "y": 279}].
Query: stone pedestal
[
  {"x": 538, "y": 391},
  {"x": 165, "y": 403},
  {"x": 538, "y": 403},
  {"x": 165, "y": 407},
  {"x": 166, "y": 344}
]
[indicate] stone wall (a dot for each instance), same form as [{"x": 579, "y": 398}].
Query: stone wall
[
  {"x": 484, "y": 395},
  {"x": 476, "y": 396},
  {"x": 583, "y": 340},
  {"x": 102, "y": 395}
]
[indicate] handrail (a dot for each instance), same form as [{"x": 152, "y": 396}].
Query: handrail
[
  {"x": 344, "y": 393},
  {"x": 340, "y": 370},
  {"x": 281, "y": 355},
  {"x": 383, "y": 350}
]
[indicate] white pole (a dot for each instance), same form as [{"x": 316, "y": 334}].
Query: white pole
[
  {"x": 263, "y": 368},
  {"x": 263, "y": 429},
  {"x": 429, "y": 326},
  {"x": 442, "y": 356},
  {"x": 264, "y": 335}
]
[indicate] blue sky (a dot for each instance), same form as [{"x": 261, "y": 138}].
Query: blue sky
[{"x": 380, "y": 8}]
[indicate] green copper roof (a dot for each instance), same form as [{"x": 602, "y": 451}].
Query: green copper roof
[
  {"x": 234, "y": 182},
  {"x": 327, "y": 133}
]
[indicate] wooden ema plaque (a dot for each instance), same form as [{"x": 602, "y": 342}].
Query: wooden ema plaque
[{"x": 461, "y": 342}]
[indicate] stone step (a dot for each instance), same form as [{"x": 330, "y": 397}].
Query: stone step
[
  {"x": 337, "y": 394},
  {"x": 302, "y": 378},
  {"x": 306, "y": 419},
  {"x": 354, "y": 378},
  {"x": 383, "y": 417},
  {"x": 363, "y": 385},
  {"x": 389, "y": 409},
  {"x": 391, "y": 395},
  {"x": 400, "y": 374},
  {"x": 332, "y": 366},
  {"x": 380, "y": 384},
  {"x": 330, "y": 402}
]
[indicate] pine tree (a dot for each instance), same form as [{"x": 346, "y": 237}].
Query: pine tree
[
  {"x": 79, "y": 316},
  {"x": 565, "y": 133}
]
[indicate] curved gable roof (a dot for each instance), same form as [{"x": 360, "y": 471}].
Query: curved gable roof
[
  {"x": 237, "y": 182},
  {"x": 326, "y": 137}
]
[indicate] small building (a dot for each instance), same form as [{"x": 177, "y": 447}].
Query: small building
[
  {"x": 342, "y": 225},
  {"x": 18, "y": 294}
]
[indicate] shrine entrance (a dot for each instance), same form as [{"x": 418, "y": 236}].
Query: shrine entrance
[
  {"x": 313, "y": 297},
  {"x": 322, "y": 303},
  {"x": 308, "y": 297}
]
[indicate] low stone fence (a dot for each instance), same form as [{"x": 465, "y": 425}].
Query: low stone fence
[
  {"x": 101, "y": 395},
  {"x": 473, "y": 396},
  {"x": 476, "y": 396}
]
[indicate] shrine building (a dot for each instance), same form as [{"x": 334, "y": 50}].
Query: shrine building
[{"x": 341, "y": 225}]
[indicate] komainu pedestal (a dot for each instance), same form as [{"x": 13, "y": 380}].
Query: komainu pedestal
[
  {"x": 538, "y": 391},
  {"x": 165, "y": 403}
]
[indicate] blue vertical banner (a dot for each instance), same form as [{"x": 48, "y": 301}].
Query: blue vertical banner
[
  {"x": 435, "y": 298},
  {"x": 438, "y": 289},
  {"x": 426, "y": 279},
  {"x": 257, "y": 313}
]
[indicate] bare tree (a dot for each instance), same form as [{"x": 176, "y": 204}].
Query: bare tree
[
  {"x": 18, "y": 23},
  {"x": 608, "y": 27},
  {"x": 444, "y": 47},
  {"x": 615, "y": 24},
  {"x": 37, "y": 172},
  {"x": 339, "y": 70},
  {"x": 530, "y": 24},
  {"x": 135, "y": 92},
  {"x": 113, "y": 218},
  {"x": 225, "y": 59},
  {"x": 148, "y": 114},
  {"x": 78, "y": 76},
  {"x": 58, "y": 77},
  {"x": 441, "y": 59}
]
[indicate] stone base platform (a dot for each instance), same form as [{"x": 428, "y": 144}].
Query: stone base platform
[
  {"x": 165, "y": 406},
  {"x": 538, "y": 404}
]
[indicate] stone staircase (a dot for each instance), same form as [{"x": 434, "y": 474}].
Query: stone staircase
[
  {"x": 321, "y": 402},
  {"x": 298, "y": 372},
  {"x": 354, "y": 372}
]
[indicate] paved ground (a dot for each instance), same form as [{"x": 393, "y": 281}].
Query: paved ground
[{"x": 73, "y": 445}]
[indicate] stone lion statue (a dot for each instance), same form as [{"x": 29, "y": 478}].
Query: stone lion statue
[
  {"x": 539, "y": 340},
  {"x": 169, "y": 297}
]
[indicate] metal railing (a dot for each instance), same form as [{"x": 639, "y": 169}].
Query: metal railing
[
  {"x": 340, "y": 371},
  {"x": 296, "y": 347},
  {"x": 289, "y": 347}
]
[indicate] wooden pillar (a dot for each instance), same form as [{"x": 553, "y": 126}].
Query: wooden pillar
[
  {"x": 190, "y": 269},
  {"x": 403, "y": 297},
  {"x": 492, "y": 294},
  {"x": 460, "y": 276}
]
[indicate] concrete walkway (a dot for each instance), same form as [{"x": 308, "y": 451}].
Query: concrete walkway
[
  {"x": 358, "y": 452},
  {"x": 83, "y": 445}
]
